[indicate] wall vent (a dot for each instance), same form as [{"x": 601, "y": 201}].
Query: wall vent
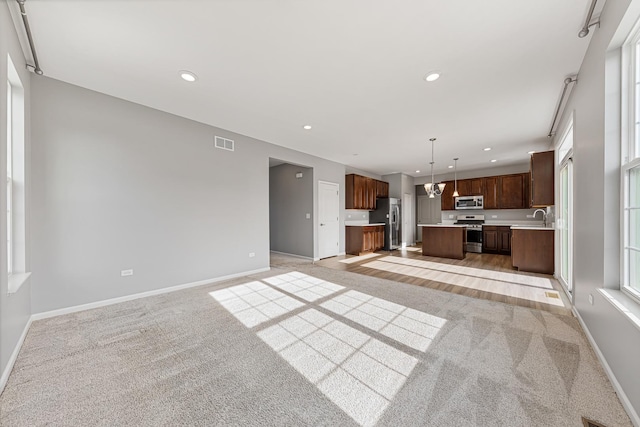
[{"x": 224, "y": 143}]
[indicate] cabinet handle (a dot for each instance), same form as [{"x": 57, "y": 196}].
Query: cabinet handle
[{"x": 321, "y": 224}]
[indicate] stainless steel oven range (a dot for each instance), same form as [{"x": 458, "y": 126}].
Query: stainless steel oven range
[{"x": 474, "y": 231}]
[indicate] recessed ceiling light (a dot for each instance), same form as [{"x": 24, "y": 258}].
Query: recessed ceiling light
[
  {"x": 307, "y": 127},
  {"x": 531, "y": 152},
  {"x": 432, "y": 76},
  {"x": 450, "y": 166},
  {"x": 487, "y": 149},
  {"x": 493, "y": 161},
  {"x": 188, "y": 76},
  {"x": 418, "y": 171}
]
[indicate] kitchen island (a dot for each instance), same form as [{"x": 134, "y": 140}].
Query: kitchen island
[{"x": 444, "y": 240}]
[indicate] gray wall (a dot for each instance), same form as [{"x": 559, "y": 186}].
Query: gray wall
[
  {"x": 117, "y": 186},
  {"x": 290, "y": 200},
  {"x": 15, "y": 309},
  {"x": 596, "y": 195}
]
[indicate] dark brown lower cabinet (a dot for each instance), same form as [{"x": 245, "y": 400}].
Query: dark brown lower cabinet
[
  {"x": 504, "y": 240},
  {"x": 532, "y": 250},
  {"x": 444, "y": 242},
  {"x": 364, "y": 239},
  {"x": 496, "y": 239}
]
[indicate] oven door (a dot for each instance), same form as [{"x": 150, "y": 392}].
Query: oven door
[{"x": 474, "y": 240}]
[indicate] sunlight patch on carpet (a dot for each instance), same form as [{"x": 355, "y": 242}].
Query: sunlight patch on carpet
[
  {"x": 358, "y": 373},
  {"x": 307, "y": 287},
  {"x": 405, "y": 325},
  {"x": 254, "y": 302}
]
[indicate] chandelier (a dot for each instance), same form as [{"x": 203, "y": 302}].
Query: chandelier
[
  {"x": 433, "y": 189},
  {"x": 455, "y": 179}
]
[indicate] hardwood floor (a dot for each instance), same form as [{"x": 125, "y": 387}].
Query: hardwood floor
[{"x": 485, "y": 276}]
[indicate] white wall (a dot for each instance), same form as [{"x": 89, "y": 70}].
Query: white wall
[
  {"x": 15, "y": 309},
  {"x": 117, "y": 186},
  {"x": 596, "y": 201}
]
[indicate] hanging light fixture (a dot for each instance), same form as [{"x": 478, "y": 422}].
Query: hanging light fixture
[
  {"x": 455, "y": 177},
  {"x": 433, "y": 189}
]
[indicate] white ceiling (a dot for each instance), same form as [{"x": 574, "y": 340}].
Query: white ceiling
[{"x": 351, "y": 69}]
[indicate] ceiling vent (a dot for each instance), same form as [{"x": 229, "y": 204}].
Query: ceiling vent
[{"x": 224, "y": 143}]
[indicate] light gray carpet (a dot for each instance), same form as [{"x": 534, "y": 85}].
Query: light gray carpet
[{"x": 187, "y": 358}]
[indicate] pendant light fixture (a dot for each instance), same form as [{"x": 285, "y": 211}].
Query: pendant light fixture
[
  {"x": 432, "y": 188},
  {"x": 455, "y": 177}
]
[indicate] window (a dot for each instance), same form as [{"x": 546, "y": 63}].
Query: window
[
  {"x": 9, "y": 184},
  {"x": 630, "y": 170},
  {"x": 16, "y": 215}
]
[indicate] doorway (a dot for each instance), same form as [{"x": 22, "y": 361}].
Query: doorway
[
  {"x": 407, "y": 228},
  {"x": 328, "y": 219},
  {"x": 291, "y": 209}
]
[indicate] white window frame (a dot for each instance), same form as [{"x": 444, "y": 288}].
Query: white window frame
[
  {"x": 563, "y": 161},
  {"x": 16, "y": 151},
  {"x": 9, "y": 180},
  {"x": 630, "y": 149}
]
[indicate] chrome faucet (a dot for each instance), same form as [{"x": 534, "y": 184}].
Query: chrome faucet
[{"x": 544, "y": 216}]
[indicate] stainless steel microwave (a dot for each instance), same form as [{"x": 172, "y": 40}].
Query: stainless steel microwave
[{"x": 469, "y": 202}]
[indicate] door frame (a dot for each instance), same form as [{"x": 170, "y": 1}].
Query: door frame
[
  {"x": 318, "y": 233},
  {"x": 407, "y": 212},
  {"x": 567, "y": 285}
]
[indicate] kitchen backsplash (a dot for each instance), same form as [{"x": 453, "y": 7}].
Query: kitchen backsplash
[
  {"x": 502, "y": 216},
  {"x": 356, "y": 217}
]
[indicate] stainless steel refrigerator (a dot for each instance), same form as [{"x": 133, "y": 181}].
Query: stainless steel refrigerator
[{"x": 388, "y": 212}]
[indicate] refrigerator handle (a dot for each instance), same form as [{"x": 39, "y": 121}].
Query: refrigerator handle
[{"x": 397, "y": 214}]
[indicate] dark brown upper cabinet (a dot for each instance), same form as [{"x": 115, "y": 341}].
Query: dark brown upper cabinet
[
  {"x": 491, "y": 192},
  {"x": 361, "y": 192},
  {"x": 512, "y": 190},
  {"x": 542, "y": 179}
]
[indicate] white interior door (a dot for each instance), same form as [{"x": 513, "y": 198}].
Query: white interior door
[
  {"x": 407, "y": 226},
  {"x": 328, "y": 219}
]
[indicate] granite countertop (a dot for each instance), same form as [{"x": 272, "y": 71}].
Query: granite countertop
[
  {"x": 364, "y": 225},
  {"x": 530, "y": 227},
  {"x": 442, "y": 225}
]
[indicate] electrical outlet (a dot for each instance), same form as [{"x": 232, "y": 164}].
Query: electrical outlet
[
  {"x": 529, "y": 216},
  {"x": 252, "y": 254},
  {"x": 126, "y": 273},
  {"x": 590, "y": 299},
  {"x": 364, "y": 215},
  {"x": 348, "y": 216},
  {"x": 450, "y": 216},
  {"x": 309, "y": 216},
  {"x": 494, "y": 216}
]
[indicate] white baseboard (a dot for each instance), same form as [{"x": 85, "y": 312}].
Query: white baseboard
[
  {"x": 633, "y": 415},
  {"x": 14, "y": 356},
  {"x": 89, "y": 306}
]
